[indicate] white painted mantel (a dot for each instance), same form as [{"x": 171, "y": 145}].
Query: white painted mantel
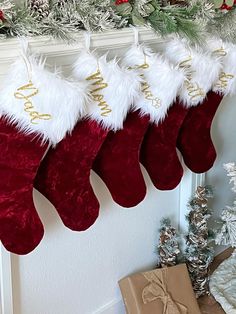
[{"x": 62, "y": 55}]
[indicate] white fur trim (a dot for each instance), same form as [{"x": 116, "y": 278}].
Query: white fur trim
[
  {"x": 203, "y": 71},
  {"x": 226, "y": 83},
  {"x": 123, "y": 86},
  {"x": 163, "y": 81},
  {"x": 214, "y": 44},
  {"x": 63, "y": 100}
]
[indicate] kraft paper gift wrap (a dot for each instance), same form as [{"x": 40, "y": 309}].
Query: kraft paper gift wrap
[{"x": 160, "y": 291}]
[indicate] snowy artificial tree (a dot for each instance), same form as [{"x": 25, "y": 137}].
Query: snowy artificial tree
[
  {"x": 223, "y": 280},
  {"x": 168, "y": 247},
  {"x": 199, "y": 251}
]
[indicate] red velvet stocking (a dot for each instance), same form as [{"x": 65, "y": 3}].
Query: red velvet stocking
[
  {"x": 158, "y": 152},
  {"x": 20, "y": 227},
  {"x": 117, "y": 163},
  {"x": 194, "y": 140},
  {"x": 63, "y": 177}
]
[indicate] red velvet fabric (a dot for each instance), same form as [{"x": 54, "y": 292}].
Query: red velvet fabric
[
  {"x": 64, "y": 175},
  {"x": 158, "y": 152},
  {"x": 194, "y": 140},
  {"x": 117, "y": 163},
  {"x": 20, "y": 227}
]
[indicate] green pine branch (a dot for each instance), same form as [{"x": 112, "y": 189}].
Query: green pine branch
[{"x": 66, "y": 18}]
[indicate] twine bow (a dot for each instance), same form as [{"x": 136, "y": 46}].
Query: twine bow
[{"x": 157, "y": 289}]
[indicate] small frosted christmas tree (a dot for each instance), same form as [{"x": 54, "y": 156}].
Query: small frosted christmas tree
[
  {"x": 199, "y": 253},
  {"x": 168, "y": 247},
  {"x": 227, "y": 234},
  {"x": 223, "y": 280}
]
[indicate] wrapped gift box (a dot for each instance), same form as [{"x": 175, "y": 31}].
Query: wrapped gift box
[{"x": 160, "y": 291}]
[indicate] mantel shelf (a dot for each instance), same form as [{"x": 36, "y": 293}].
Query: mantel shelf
[
  {"x": 63, "y": 55},
  {"x": 9, "y": 48}
]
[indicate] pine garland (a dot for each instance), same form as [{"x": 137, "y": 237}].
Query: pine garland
[
  {"x": 175, "y": 19},
  {"x": 39, "y": 8},
  {"x": 63, "y": 18},
  {"x": 224, "y": 26}
]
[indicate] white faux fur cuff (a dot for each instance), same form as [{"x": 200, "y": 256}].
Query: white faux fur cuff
[
  {"x": 226, "y": 82},
  {"x": 113, "y": 89},
  {"x": 39, "y": 102},
  {"x": 161, "y": 81},
  {"x": 202, "y": 70}
]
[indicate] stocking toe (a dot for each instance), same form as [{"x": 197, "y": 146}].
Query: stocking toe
[{"x": 21, "y": 238}]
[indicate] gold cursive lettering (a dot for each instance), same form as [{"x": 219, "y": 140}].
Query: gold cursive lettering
[
  {"x": 156, "y": 102},
  {"x": 186, "y": 64},
  {"x": 194, "y": 90},
  {"x": 143, "y": 66},
  {"x": 220, "y": 52},
  {"x": 146, "y": 90},
  {"x": 28, "y": 105},
  {"x": 224, "y": 80},
  {"x": 99, "y": 85}
]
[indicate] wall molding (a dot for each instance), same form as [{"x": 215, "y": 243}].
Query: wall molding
[{"x": 6, "y": 298}]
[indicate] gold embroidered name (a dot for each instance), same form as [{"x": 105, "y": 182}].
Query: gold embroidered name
[
  {"x": 224, "y": 80},
  {"x": 220, "y": 52},
  {"x": 97, "y": 97},
  {"x": 28, "y": 105},
  {"x": 186, "y": 64},
  {"x": 146, "y": 90},
  {"x": 156, "y": 102},
  {"x": 194, "y": 90}
]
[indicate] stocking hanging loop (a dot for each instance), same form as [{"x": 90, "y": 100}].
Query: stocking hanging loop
[
  {"x": 87, "y": 41},
  {"x": 136, "y": 35},
  {"x": 25, "y": 55}
]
